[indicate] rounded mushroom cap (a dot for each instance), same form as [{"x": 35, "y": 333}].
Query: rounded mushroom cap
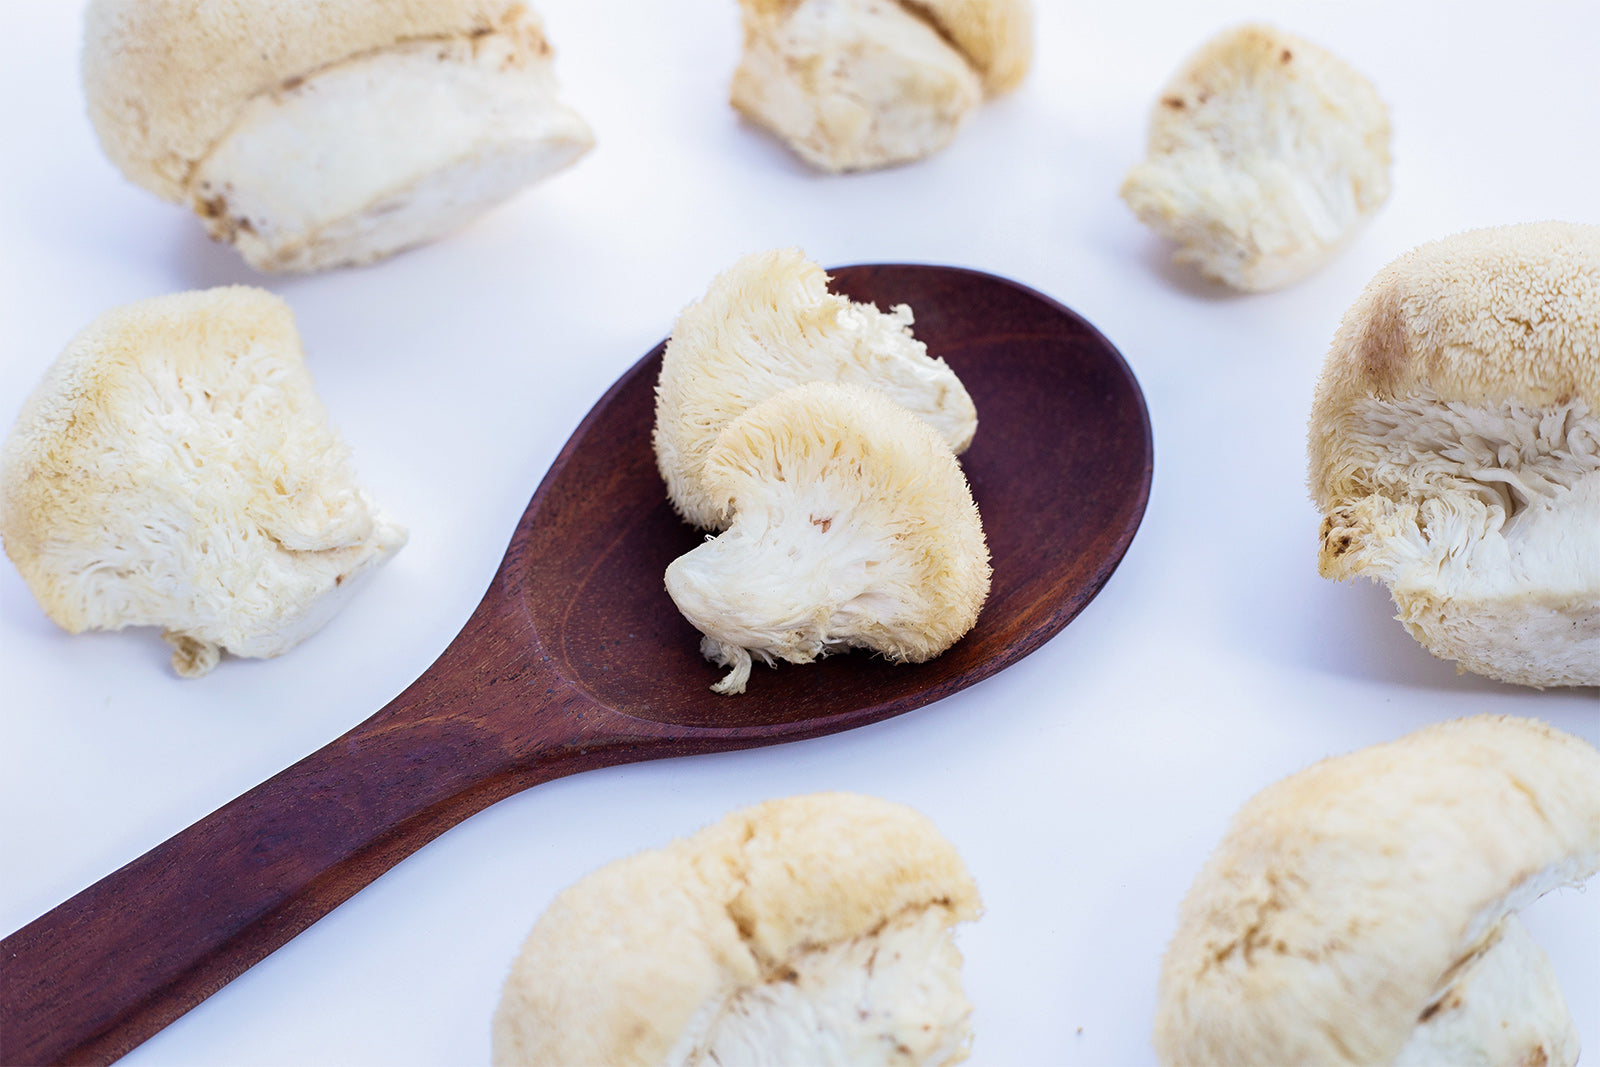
[
  {"x": 165, "y": 79},
  {"x": 853, "y": 527},
  {"x": 1508, "y": 313},
  {"x": 1455, "y": 449},
  {"x": 769, "y": 323},
  {"x": 1264, "y": 154},
  {"x": 996, "y": 36},
  {"x": 655, "y": 958},
  {"x": 175, "y": 468},
  {"x": 1334, "y": 911}
]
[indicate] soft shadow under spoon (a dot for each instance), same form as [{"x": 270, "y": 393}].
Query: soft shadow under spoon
[{"x": 576, "y": 659}]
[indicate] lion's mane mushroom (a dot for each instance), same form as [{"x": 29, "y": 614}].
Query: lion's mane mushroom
[
  {"x": 768, "y": 323},
  {"x": 853, "y": 527},
  {"x": 1265, "y": 153},
  {"x": 312, "y": 135},
  {"x": 856, "y": 84},
  {"x": 813, "y": 930},
  {"x": 1455, "y": 449},
  {"x": 175, "y": 468},
  {"x": 1362, "y": 911}
]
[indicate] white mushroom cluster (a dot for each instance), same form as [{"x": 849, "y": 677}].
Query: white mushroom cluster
[
  {"x": 1363, "y": 910},
  {"x": 317, "y": 135},
  {"x": 1455, "y": 449},
  {"x": 820, "y": 437},
  {"x": 175, "y": 469},
  {"x": 857, "y": 84},
  {"x": 1265, "y": 154},
  {"x": 853, "y": 527},
  {"x": 814, "y": 929},
  {"x": 768, "y": 323}
]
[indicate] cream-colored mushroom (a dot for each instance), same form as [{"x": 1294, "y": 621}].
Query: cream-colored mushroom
[
  {"x": 855, "y": 84},
  {"x": 1265, "y": 153},
  {"x": 813, "y": 930},
  {"x": 1362, "y": 911},
  {"x": 765, "y": 324},
  {"x": 853, "y": 527},
  {"x": 1455, "y": 449},
  {"x": 175, "y": 469},
  {"x": 318, "y": 135}
]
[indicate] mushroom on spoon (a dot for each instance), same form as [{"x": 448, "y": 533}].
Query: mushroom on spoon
[{"x": 576, "y": 659}]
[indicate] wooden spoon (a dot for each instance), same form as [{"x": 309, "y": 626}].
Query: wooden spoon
[{"x": 577, "y": 659}]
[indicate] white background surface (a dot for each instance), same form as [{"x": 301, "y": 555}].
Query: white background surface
[{"x": 1084, "y": 786}]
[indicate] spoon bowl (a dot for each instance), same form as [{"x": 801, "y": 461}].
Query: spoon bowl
[
  {"x": 577, "y": 658},
  {"x": 1060, "y": 469}
]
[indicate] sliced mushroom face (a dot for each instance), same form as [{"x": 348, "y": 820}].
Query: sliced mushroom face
[
  {"x": 769, "y": 323},
  {"x": 1358, "y": 911},
  {"x": 176, "y": 469},
  {"x": 1265, "y": 153},
  {"x": 1503, "y": 1006},
  {"x": 889, "y": 997},
  {"x": 1455, "y": 449},
  {"x": 809, "y": 930},
  {"x": 856, "y": 84},
  {"x": 853, "y": 527},
  {"x": 319, "y": 135},
  {"x": 385, "y": 151}
]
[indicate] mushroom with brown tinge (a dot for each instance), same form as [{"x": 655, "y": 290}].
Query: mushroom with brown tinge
[
  {"x": 814, "y": 929},
  {"x": 1265, "y": 153},
  {"x": 1455, "y": 449},
  {"x": 768, "y": 323},
  {"x": 1363, "y": 910},
  {"x": 319, "y": 135},
  {"x": 856, "y": 84},
  {"x": 175, "y": 468},
  {"x": 852, "y": 527}
]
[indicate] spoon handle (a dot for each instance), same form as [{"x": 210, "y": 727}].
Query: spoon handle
[{"x": 91, "y": 979}]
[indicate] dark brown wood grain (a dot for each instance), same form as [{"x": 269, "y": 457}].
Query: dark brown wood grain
[{"x": 576, "y": 659}]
